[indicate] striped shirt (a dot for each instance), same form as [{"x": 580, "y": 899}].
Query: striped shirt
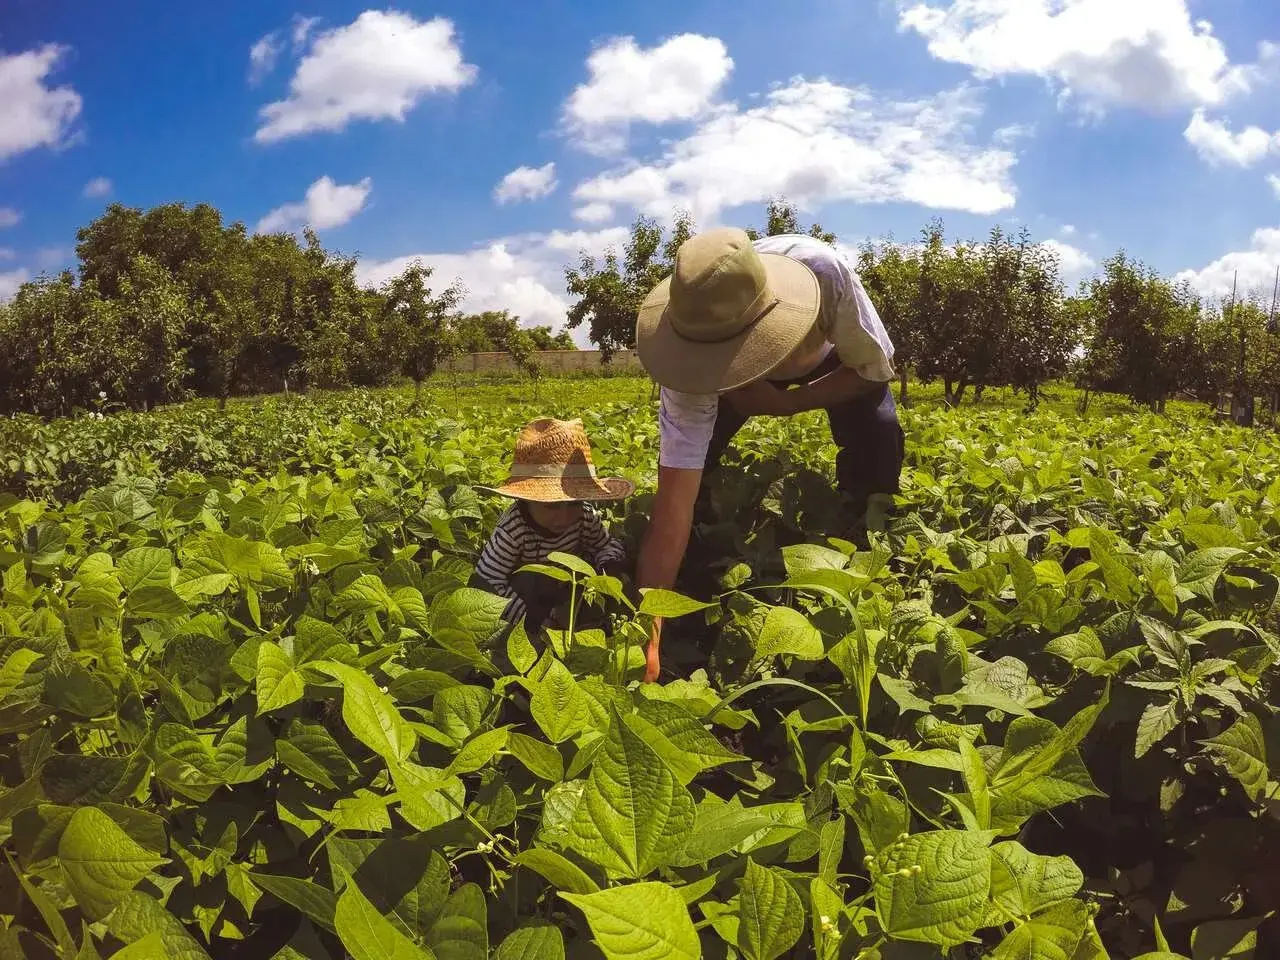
[{"x": 516, "y": 540}]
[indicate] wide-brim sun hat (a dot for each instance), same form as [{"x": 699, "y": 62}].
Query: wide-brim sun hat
[
  {"x": 726, "y": 316},
  {"x": 552, "y": 464}
]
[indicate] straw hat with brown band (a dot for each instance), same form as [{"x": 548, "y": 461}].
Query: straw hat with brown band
[
  {"x": 552, "y": 464},
  {"x": 726, "y": 316}
]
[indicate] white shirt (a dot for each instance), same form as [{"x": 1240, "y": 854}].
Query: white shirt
[{"x": 847, "y": 317}]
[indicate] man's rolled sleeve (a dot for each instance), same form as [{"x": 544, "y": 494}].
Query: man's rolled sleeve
[
  {"x": 860, "y": 338},
  {"x": 686, "y": 422}
]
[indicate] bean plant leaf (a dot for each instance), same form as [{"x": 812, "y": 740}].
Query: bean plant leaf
[
  {"x": 535, "y": 940},
  {"x": 367, "y": 934},
  {"x": 788, "y": 632},
  {"x": 1024, "y": 883},
  {"x": 138, "y": 915},
  {"x": 668, "y": 604},
  {"x": 639, "y": 921},
  {"x": 1156, "y": 722},
  {"x": 557, "y": 870},
  {"x": 944, "y": 901},
  {"x": 771, "y": 917},
  {"x": 101, "y": 862},
  {"x": 370, "y": 714},
  {"x": 279, "y": 681},
  {"x": 634, "y": 815},
  {"x": 1055, "y": 934},
  {"x": 1243, "y": 751}
]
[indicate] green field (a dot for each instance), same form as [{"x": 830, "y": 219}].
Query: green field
[{"x": 249, "y": 708}]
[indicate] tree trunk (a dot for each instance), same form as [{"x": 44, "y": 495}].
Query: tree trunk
[
  {"x": 902, "y": 386},
  {"x": 977, "y": 392}
]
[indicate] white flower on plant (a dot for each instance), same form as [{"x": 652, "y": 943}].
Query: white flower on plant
[{"x": 102, "y": 394}]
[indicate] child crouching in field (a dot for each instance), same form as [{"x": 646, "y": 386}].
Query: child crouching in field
[{"x": 553, "y": 483}]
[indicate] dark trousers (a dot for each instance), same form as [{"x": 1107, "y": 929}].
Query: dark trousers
[{"x": 869, "y": 439}]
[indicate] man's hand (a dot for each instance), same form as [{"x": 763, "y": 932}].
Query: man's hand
[
  {"x": 652, "y": 663},
  {"x": 760, "y": 398},
  {"x": 662, "y": 550}
]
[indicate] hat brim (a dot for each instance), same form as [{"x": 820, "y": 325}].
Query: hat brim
[
  {"x": 691, "y": 366},
  {"x": 565, "y": 489}
]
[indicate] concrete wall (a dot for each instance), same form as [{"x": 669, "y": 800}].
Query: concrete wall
[{"x": 552, "y": 362}]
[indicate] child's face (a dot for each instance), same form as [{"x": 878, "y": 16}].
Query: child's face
[{"x": 556, "y": 517}]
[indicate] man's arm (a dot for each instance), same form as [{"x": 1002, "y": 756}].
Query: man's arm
[
  {"x": 838, "y": 386},
  {"x": 665, "y": 541},
  {"x": 763, "y": 398}
]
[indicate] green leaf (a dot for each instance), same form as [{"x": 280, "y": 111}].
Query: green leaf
[
  {"x": 639, "y": 921},
  {"x": 771, "y": 917},
  {"x": 559, "y": 706},
  {"x": 462, "y": 930},
  {"x": 279, "y": 682},
  {"x": 1024, "y": 883},
  {"x": 1201, "y": 570},
  {"x": 720, "y": 828},
  {"x": 367, "y": 934},
  {"x": 145, "y": 566},
  {"x": 557, "y": 870},
  {"x": 310, "y": 751},
  {"x": 155, "y": 603},
  {"x": 1156, "y": 722},
  {"x": 370, "y": 714},
  {"x": 541, "y": 759},
  {"x": 139, "y": 914},
  {"x": 407, "y": 880},
  {"x": 1234, "y": 939},
  {"x": 943, "y": 902},
  {"x": 788, "y": 632},
  {"x": 680, "y": 739},
  {"x": 1055, "y": 934},
  {"x": 1243, "y": 750},
  {"x": 668, "y": 604},
  {"x": 634, "y": 815},
  {"x": 101, "y": 862},
  {"x": 15, "y": 669},
  {"x": 975, "y": 778},
  {"x": 150, "y": 947},
  {"x": 459, "y": 710},
  {"x": 478, "y": 751},
  {"x": 535, "y": 940},
  {"x": 315, "y": 901}
]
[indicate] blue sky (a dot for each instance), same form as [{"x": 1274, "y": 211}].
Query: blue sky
[{"x": 496, "y": 140}]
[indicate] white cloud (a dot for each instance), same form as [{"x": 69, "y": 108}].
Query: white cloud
[
  {"x": 10, "y": 282},
  {"x": 1275, "y": 184},
  {"x": 31, "y": 113},
  {"x": 526, "y": 183},
  {"x": 676, "y": 80},
  {"x": 594, "y": 212},
  {"x": 98, "y": 187},
  {"x": 263, "y": 55},
  {"x": 1072, "y": 260},
  {"x": 1139, "y": 53},
  {"x": 302, "y": 27},
  {"x": 327, "y": 204},
  {"x": 8, "y": 253},
  {"x": 1067, "y": 230},
  {"x": 1256, "y": 268},
  {"x": 376, "y": 68},
  {"x": 523, "y": 274},
  {"x": 818, "y": 142},
  {"x": 1217, "y": 143},
  {"x": 9, "y": 217}
]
